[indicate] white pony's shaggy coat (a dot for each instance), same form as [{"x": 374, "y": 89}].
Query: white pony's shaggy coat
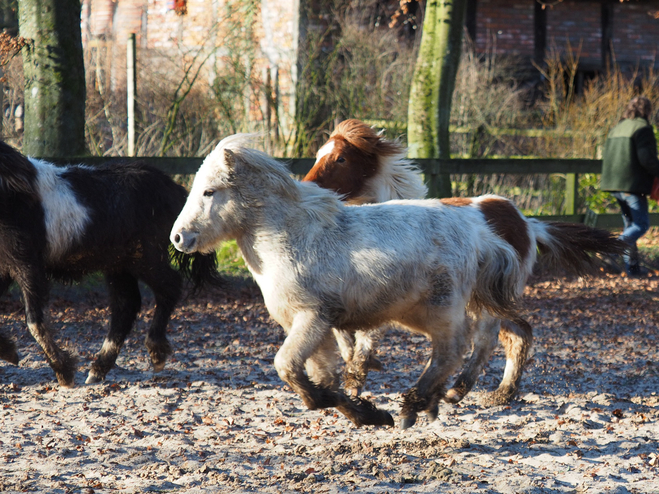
[{"x": 321, "y": 264}]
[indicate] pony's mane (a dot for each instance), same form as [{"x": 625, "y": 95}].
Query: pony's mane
[
  {"x": 396, "y": 177},
  {"x": 319, "y": 203},
  {"x": 365, "y": 139},
  {"x": 17, "y": 174}
]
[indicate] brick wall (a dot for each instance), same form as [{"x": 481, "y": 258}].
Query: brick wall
[
  {"x": 505, "y": 27},
  {"x": 279, "y": 38},
  {"x": 635, "y": 34},
  {"x": 579, "y": 24},
  {"x": 163, "y": 34}
]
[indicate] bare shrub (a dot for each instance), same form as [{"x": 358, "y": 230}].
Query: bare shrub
[
  {"x": 187, "y": 98},
  {"x": 355, "y": 67},
  {"x": 13, "y": 102}
]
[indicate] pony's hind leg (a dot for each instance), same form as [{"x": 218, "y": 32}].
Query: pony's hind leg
[
  {"x": 448, "y": 344},
  {"x": 484, "y": 341},
  {"x": 307, "y": 336},
  {"x": 125, "y": 303},
  {"x": 517, "y": 338},
  {"x": 167, "y": 287},
  {"x": 34, "y": 286}
]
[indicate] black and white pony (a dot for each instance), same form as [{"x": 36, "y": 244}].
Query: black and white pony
[{"x": 62, "y": 223}]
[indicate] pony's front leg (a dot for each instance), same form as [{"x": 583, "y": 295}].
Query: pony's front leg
[
  {"x": 167, "y": 287},
  {"x": 448, "y": 345},
  {"x": 306, "y": 338},
  {"x": 125, "y": 303},
  {"x": 321, "y": 367}
]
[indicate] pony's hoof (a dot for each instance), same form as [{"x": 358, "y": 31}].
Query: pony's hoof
[
  {"x": 159, "y": 351},
  {"x": 407, "y": 422},
  {"x": 499, "y": 398},
  {"x": 363, "y": 412},
  {"x": 353, "y": 384},
  {"x": 353, "y": 392},
  {"x": 453, "y": 396},
  {"x": 10, "y": 355},
  {"x": 158, "y": 367},
  {"x": 380, "y": 418},
  {"x": 374, "y": 364},
  {"x": 93, "y": 378},
  {"x": 66, "y": 381},
  {"x": 432, "y": 413}
]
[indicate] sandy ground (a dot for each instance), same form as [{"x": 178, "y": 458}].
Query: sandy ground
[{"x": 218, "y": 418}]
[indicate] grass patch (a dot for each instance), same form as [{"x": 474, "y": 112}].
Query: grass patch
[
  {"x": 648, "y": 246},
  {"x": 230, "y": 260}
]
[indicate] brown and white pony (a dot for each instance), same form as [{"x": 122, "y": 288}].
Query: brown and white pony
[{"x": 363, "y": 167}]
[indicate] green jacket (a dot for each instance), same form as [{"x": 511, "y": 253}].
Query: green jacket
[{"x": 630, "y": 162}]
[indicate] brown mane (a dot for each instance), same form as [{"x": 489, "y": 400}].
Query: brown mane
[{"x": 365, "y": 139}]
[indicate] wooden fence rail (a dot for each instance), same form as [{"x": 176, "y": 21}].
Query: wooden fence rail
[
  {"x": 300, "y": 166},
  {"x": 432, "y": 167}
]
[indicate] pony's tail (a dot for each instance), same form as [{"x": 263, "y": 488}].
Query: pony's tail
[
  {"x": 200, "y": 269},
  {"x": 574, "y": 247},
  {"x": 499, "y": 281}
]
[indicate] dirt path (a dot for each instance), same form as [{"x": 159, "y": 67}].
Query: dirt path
[{"x": 219, "y": 419}]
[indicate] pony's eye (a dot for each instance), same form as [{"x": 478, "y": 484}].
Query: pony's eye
[
  {"x": 209, "y": 193},
  {"x": 340, "y": 159}
]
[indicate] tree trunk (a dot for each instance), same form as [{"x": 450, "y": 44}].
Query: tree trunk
[
  {"x": 432, "y": 87},
  {"x": 54, "y": 78}
]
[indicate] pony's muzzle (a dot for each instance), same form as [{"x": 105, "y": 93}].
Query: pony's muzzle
[{"x": 184, "y": 241}]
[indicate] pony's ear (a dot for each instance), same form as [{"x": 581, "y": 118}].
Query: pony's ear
[{"x": 229, "y": 158}]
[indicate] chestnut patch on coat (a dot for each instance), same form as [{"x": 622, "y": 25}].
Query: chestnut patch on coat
[
  {"x": 506, "y": 221},
  {"x": 456, "y": 201}
]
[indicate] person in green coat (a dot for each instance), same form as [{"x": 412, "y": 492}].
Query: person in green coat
[{"x": 629, "y": 165}]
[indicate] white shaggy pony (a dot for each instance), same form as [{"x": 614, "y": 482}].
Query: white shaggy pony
[
  {"x": 323, "y": 265},
  {"x": 365, "y": 168}
]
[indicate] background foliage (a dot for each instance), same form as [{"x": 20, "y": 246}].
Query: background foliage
[{"x": 356, "y": 66}]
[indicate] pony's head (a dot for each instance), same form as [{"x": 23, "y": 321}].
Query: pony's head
[
  {"x": 232, "y": 180},
  {"x": 17, "y": 173},
  {"x": 352, "y": 160}
]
